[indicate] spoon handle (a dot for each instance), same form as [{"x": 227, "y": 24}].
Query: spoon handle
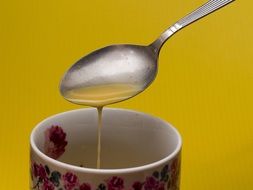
[{"x": 207, "y": 8}]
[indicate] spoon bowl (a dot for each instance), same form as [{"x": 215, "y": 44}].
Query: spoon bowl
[
  {"x": 131, "y": 65},
  {"x": 116, "y": 64}
]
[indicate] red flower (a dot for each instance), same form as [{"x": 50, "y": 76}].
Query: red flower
[
  {"x": 137, "y": 185},
  {"x": 161, "y": 186},
  {"x": 115, "y": 183},
  {"x": 174, "y": 166},
  {"x": 39, "y": 171},
  {"x": 85, "y": 186},
  {"x": 153, "y": 184},
  {"x": 55, "y": 142},
  {"x": 48, "y": 185},
  {"x": 70, "y": 181},
  {"x": 175, "y": 170}
]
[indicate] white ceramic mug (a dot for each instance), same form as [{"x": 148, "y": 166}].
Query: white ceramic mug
[{"x": 139, "y": 152}]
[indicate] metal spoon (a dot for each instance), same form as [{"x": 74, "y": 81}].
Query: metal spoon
[{"x": 134, "y": 65}]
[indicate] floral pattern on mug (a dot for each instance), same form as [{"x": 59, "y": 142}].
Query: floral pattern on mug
[
  {"x": 45, "y": 179},
  {"x": 85, "y": 186},
  {"x": 70, "y": 181},
  {"x": 152, "y": 183},
  {"x": 115, "y": 183},
  {"x": 55, "y": 141}
]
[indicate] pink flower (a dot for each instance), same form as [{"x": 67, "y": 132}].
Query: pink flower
[
  {"x": 70, "y": 181},
  {"x": 85, "y": 186},
  {"x": 55, "y": 141},
  {"x": 48, "y": 185},
  {"x": 137, "y": 185},
  {"x": 174, "y": 166},
  {"x": 39, "y": 171},
  {"x": 175, "y": 169},
  {"x": 153, "y": 184},
  {"x": 161, "y": 186},
  {"x": 115, "y": 183}
]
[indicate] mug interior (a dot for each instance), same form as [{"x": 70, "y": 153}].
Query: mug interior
[{"x": 129, "y": 139}]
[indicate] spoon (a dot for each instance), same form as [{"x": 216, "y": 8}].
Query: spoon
[{"x": 117, "y": 65}]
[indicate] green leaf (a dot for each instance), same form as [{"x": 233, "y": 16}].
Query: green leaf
[
  {"x": 101, "y": 187},
  {"x": 166, "y": 178},
  {"x": 156, "y": 174},
  {"x": 47, "y": 169},
  {"x": 55, "y": 178},
  {"x": 164, "y": 172}
]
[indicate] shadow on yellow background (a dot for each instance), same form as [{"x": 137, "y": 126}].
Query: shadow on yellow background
[{"x": 204, "y": 84}]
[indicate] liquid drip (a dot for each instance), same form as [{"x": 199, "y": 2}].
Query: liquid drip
[
  {"x": 99, "y": 109},
  {"x": 100, "y": 96}
]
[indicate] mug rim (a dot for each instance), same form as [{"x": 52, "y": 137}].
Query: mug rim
[{"x": 71, "y": 167}]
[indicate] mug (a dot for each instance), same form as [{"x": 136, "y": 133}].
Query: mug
[{"x": 139, "y": 152}]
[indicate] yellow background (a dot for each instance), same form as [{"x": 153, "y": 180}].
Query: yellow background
[{"x": 204, "y": 84}]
